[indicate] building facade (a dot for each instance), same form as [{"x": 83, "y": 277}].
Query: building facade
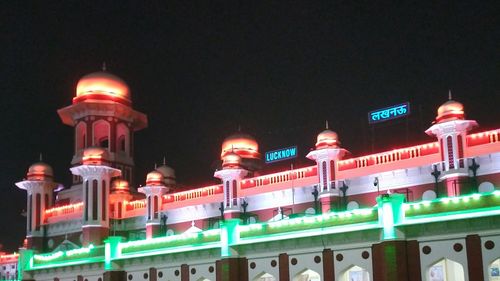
[{"x": 426, "y": 212}]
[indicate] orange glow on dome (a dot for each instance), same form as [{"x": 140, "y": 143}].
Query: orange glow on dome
[
  {"x": 450, "y": 110},
  {"x": 94, "y": 156},
  {"x": 327, "y": 138},
  {"x": 231, "y": 160},
  {"x": 120, "y": 186},
  {"x": 154, "y": 178},
  {"x": 40, "y": 171},
  {"x": 102, "y": 86},
  {"x": 242, "y": 144}
]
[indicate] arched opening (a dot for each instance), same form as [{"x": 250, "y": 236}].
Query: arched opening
[
  {"x": 81, "y": 136},
  {"x": 486, "y": 186},
  {"x": 264, "y": 276},
  {"x": 446, "y": 270},
  {"x": 101, "y": 134},
  {"x": 307, "y": 275},
  {"x": 122, "y": 140},
  {"x": 356, "y": 273},
  {"x": 352, "y": 205},
  {"x": 494, "y": 270},
  {"x": 429, "y": 195}
]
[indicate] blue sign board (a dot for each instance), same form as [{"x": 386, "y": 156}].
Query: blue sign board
[
  {"x": 281, "y": 154},
  {"x": 389, "y": 113}
]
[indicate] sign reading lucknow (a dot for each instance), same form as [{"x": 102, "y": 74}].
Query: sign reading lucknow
[{"x": 281, "y": 154}]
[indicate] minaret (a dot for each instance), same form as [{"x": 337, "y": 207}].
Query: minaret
[
  {"x": 326, "y": 154},
  {"x": 102, "y": 115},
  {"x": 40, "y": 186},
  {"x": 96, "y": 173},
  {"x": 450, "y": 128},
  {"x": 231, "y": 175},
  {"x": 154, "y": 190}
]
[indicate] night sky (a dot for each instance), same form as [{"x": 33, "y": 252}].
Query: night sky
[{"x": 277, "y": 69}]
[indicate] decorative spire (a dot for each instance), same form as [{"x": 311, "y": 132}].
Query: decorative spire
[
  {"x": 449, "y": 95},
  {"x": 103, "y": 66},
  {"x": 156, "y": 166},
  {"x": 239, "y": 127},
  {"x": 164, "y": 161},
  {"x": 326, "y": 124},
  {"x": 41, "y": 157}
]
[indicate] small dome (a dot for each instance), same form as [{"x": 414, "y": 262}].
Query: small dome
[
  {"x": 327, "y": 138},
  {"x": 242, "y": 144},
  {"x": 168, "y": 174},
  {"x": 154, "y": 178},
  {"x": 94, "y": 155},
  {"x": 450, "y": 110},
  {"x": 120, "y": 186},
  {"x": 40, "y": 171},
  {"x": 102, "y": 85},
  {"x": 231, "y": 160}
]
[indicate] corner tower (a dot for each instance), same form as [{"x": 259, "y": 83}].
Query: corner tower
[
  {"x": 102, "y": 115},
  {"x": 39, "y": 185},
  {"x": 327, "y": 152},
  {"x": 450, "y": 128}
]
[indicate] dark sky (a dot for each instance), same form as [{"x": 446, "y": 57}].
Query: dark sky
[{"x": 279, "y": 69}]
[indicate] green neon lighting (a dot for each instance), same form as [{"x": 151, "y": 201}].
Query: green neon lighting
[
  {"x": 309, "y": 222},
  {"x": 387, "y": 216},
  {"x": 71, "y": 256},
  {"x": 185, "y": 239},
  {"x": 441, "y": 206}
]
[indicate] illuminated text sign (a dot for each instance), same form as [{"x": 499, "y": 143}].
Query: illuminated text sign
[
  {"x": 388, "y": 113},
  {"x": 281, "y": 154}
]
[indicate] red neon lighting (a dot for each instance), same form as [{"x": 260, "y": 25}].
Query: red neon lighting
[
  {"x": 101, "y": 96},
  {"x": 192, "y": 194},
  {"x": 64, "y": 210},
  {"x": 280, "y": 177},
  {"x": 483, "y": 138},
  {"x": 389, "y": 156}
]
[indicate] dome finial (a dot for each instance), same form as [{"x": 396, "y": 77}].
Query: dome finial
[
  {"x": 103, "y": 66},
  {"x": 164, "y": 160},
  {"x": 239, "y": 127},
  {"x": 156, "y": 166},
  {"x": 449, "y": 94},
  {"x": 326, "y": 124},
  {"x": 40, "y": 157}
]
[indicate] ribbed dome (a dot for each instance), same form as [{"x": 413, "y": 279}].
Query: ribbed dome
[
  {"x": 450, "y": 110},
  {"x": 102, "y": 85},
  {"x": 154, "y": 178},
  {"x": 40, "y": 171},
  {"x": 168, "y": 174},
  {"x": 327, "y": 138},
  {"x": 242, "y": 144}
]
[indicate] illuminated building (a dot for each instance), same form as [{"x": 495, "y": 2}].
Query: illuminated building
[{"x": 406, "y": 214}]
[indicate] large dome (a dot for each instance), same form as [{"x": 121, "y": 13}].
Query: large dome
[
  {"x": 450, "y": 110},
  {"x": 242, "y": 144},
  {"x": 102, "y": 85}
]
